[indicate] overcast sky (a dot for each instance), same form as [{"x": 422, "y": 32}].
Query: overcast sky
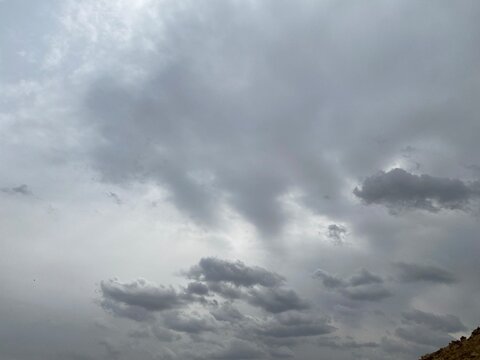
[{"x": 238, "y": 179}]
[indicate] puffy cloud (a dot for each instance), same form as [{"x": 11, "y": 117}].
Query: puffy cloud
[
  {"x": 399, "y": 189},
  {"x": 237, "y": 273},
  {"x": 411, "y": 272}
]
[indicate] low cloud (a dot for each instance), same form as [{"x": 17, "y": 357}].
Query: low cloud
[
  {"x": 239, "y": 349},
  {"x": 18, "y": 190},
  {"x": 361, "y": 286},
  {"x": 138, "y": 299},
  {"x": 410, "y": 272},
  {"x": 398, "y": 189},
  {"x": 236, "y": 273},
  {"x": 423, "y": 336},
  {"x": 189, "y": 323},
  {"x": 336, "y": 233},
  {"x": 296, "y": 324},
  {"x": 276, "y": 300},
  {"x": 447, "y": 323}
]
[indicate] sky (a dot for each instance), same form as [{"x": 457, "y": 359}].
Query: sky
[{"x": 238, "y": 179}]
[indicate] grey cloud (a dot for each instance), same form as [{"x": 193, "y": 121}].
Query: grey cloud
[
  {"x": 348, "y": 344},
  {"x": 227, "y": 312},
  {"x": 399, "y": 189},
  {"x": 446, "y": 323},
  {"x": 361, "y": 286},
  {"x": 365, "y": 277},
  {"x": 374, "y": 292},
  {"x": 337, "y": 233},
  {"x": 141, "y": 333},
  {"x": 411, "y": 272},
  {"x": 137, "y": 298},
  {"x": 226, "y": 290},
  {"x": 239, "y": 349},
  {"x": 329, "y": 281},
  {"x": 115, "y": 198},
  {"x": 197, "y": 288},
  {"x": 294, "y": 325},
  {"x": 423, "y": 336},
  {"x": 18, "y": 190},
  {"x": 276, "y": 300},
  {"x": 236, "y": 273},
  {"x": 165, "y": 335},
  {"x": 112, "y": 351},
  {"x": 189, "y": 323},
  {"x": 132, "y": 312},
  {"x": 282, "y": 352}
]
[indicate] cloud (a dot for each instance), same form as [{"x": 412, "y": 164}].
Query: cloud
[
  {"x": 237, "y": 273},
  {"x": 361, "y": 286},
  {"x": 189, "y": 323},
  {"x": 423, "y": 336},
  {"x": 227, "y": 312},
  {"x": 373, "y": 292},
  {"x": 365, "y": 277},
  {"x": 295, "y": 324},
  {"x": 399, "y": 189},
  {"x": 446, "y": 323},
  {"x": 165, "y": 335},
  {"x": 336, "y": 233},
  {"x": 276, "y": 300},
  {"x": 18, "y": 190},
  {"x": 411, "y": 272},
  {"x": 239, "y": 349},
  {"x": 137, "y": 299},
  {"x": 197, "y": 288}
]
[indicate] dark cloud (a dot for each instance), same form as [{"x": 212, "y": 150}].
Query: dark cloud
[
  {"x": 336, "y": 233},
  {"x": 373, "y": 292},
  {"x": 197, "y": 288},
  {"x": 361, "y": 286},
  {"x": 276, "y": 300},
  {"x": 295, "y": 324},
  {"x": 115, "y": 198},
  {"x": 227, "y": 312},
  {"x": 226, "y": 290},
  {"x": 347, "y": 345},
  {"x": 399, "y": 189},
  {"x": 138, "y": 298},
  {"x": 423, "y": 336},
  {"x": 165, "y": 335},
  {"x": 236, "y": 273},
  {"x": 411, "y": 272},
  {"x": 18, "y": 190},
  {"x": 446, "y": 323},
  {"x": 365, "y": 277},
  {"x": 239, "y": 349},
  {"x": 189, "y": 323}
]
